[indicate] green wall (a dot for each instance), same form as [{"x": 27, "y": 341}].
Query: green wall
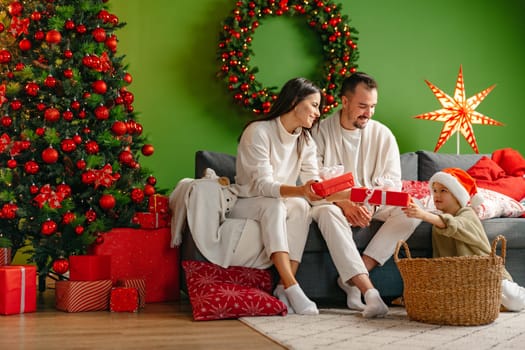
[{"x": 170, "y": 47}]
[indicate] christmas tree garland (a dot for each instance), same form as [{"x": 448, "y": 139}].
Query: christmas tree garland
[{"x": 338, "y": 46}]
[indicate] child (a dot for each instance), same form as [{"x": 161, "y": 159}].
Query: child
[{"x": 457, "y": 230}]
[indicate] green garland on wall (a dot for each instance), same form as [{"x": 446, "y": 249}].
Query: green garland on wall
[{"x": 338, "y": 46}]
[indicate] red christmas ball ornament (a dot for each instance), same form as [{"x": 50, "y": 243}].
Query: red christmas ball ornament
[
  {"x": 50, "y": 81},
  {"x": 69, "y": 25},
  {"x": 119, "y": 128},
  {"x": 40, "y": 106},
  {"x": 147, "y": 150},
  {"x": 92, "y": 147},
  {"x": 81, "y": 29},
  {"x": 91, "y": 215},
  {"x": 50, "y": 155},
  {"x": 77, "y": 139},
  {"x": 64, "y": 189},
  {"x": 149, "y": 190},
  {"x": 68, "y": 54},
  {"x": 32, "y": 89},
  {"x": 127, "y": 78},
  {"x": 24, "y": 45},
  {"x": 99, "y": 34},
  {"x": 99, "y": 87},
  {"x": 15, "y": 9},
  {"x": 36, "y": 16},
  {"x": 60, "y": 265},
  {"x": 151, "y": 180},
  {"x": 48, "y": 227},
  {"x": 52, "y": 115},
  {"x": 40, "y": 131},
  {"x": 16, "y": 105},
  {"x": 81, "y": 164},
  {"x": 79, "y": 230},
  {"x": 67, "y": 115},
  {"x": 31, "y": 167},
  {"x": 2, "y": 27},
  {"x": 68, "y": 73},
  {"x": 11, "y": 163},
  {"x": 6, "y": 121},
  {"x": 137, "y": 195},
  {"x": 68, "y": 145},
  {"x": 111, "y": 43},
  {"x": 125, "y": 157},
  {"x": 53, "y": 36},
  {"x": 75, "y": 104},
  {"x": 40, "y": 35},
  {"x": 5, "y": 56},
  {"x": 99, "y": 239},
  {"x": 33, "y": 189},
  {"x": 107, "y": 201},
  {"x": 102, "y": 113}
]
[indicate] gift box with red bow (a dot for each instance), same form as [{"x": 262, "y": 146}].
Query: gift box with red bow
[
  {"x": 333, "y": 185},
  {"x": 78, "y": 296},
  {"x": 17, "y": 289},
  {"x": 124, "y": 299},
  {"x": 379, "y": 197}
]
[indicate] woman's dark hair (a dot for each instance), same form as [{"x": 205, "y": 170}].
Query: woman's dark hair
[
  {"x": 350, "y": 83},
  {"x": 292, "y": 93}
]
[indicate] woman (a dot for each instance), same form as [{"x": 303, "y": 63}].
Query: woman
[{"x": 273, "y": 154}]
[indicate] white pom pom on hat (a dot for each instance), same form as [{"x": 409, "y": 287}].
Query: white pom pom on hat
[{"x": 460, "y": 184}]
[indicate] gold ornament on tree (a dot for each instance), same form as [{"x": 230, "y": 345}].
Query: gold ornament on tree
[{"x": 458, "y": 113}]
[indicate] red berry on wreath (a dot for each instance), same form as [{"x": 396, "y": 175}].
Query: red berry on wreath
[
  {"x": 107, "y": 201},
  {"x": 60, "y": 265},
  {"x": 50, "y": 155},
  {"x": 147, "y": 150}
]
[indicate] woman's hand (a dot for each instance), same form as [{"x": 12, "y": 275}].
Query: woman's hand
[{"x": 309, "y": 193}]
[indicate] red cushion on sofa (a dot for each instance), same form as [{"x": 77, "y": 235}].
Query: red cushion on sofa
[
  {"x": 224, "y": 293},
  {"x": 417, "y": 189}
]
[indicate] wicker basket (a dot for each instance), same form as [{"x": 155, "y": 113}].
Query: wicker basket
[{"x": 460, "y": 291}]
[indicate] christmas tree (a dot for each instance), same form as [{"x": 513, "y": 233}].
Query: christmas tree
[{"x": 69, "y": 140}]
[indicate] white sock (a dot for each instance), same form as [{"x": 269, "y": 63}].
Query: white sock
[
  {"x": 375, "y": 307},
  {"x": 299, "y": 301},
  {"x": 279, "y": 293},
  {"x": 512, "y": 296},
  {"x": 353, "y": 295}
]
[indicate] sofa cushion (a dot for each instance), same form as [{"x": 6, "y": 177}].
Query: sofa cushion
[
  {"x": 429, "y": 162},
  {"x": 223, "y": 164},
  {"x": 409, "y": 166}
]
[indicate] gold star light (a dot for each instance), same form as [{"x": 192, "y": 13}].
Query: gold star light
[{"x": 458, "y": 114}]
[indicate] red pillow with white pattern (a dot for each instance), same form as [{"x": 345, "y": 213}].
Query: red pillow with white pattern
[
  {"x": 224, "y": 293},
  {"x": 417, "y": 189}
]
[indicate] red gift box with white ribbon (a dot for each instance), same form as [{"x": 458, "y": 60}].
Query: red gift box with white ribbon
[
  {"x": 17, "y": 289},
  {"x": 379, "y": 197}
]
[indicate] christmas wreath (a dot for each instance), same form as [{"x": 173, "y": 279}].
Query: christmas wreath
[{"x": 338, "y": 46}]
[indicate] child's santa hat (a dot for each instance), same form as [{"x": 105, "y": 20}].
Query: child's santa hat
[{"x": 460, "y": 184}]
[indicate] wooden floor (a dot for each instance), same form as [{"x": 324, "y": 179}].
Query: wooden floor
[{"x": 157, "y": 326}]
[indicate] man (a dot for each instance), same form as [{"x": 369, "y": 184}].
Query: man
[{"x": 369, "y": 150}]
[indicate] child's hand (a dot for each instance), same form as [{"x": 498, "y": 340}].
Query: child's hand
[{"x": 413, "y": 210}]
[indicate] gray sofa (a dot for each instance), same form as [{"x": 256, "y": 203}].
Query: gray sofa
[{"x": 317, "y": 274}]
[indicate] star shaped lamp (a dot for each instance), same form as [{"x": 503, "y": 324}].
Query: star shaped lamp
[{"x": 458, "y": 113}]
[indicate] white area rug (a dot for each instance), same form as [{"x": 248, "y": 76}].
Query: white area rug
[{"x": 346, "y": 329}]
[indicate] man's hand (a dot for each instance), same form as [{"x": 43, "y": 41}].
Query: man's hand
[{"x": 356, "y": 214}]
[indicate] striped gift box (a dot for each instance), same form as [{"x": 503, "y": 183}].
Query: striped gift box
[
  {"x": 77, "y": 296},
  {"x": 139, "y": 284},
  {"x": 5, "y": 256}
]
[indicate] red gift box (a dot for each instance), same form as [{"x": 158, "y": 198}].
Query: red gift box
[
  {"x": 77, "y": 296},
  {"x": 159, "y": 204},
  {"x": 139, "y": 285},
  {"x": 124, "y": 299},
  {"x": 333, "y": 185},
  {"x": 145, "y": 254},
  {"x": 5, "y": 256},
  {"x": 89, "y": 267},
  {"x": 17, "y": 289},
  {"x": 151, "y": 220},
  {"x": 379, "y": 197}
]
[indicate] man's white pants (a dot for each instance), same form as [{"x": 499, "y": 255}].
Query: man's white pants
[{"x": 284, "y": 222}]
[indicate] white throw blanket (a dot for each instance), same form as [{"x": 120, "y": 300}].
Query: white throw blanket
[{"x": 203, "y": 204}]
